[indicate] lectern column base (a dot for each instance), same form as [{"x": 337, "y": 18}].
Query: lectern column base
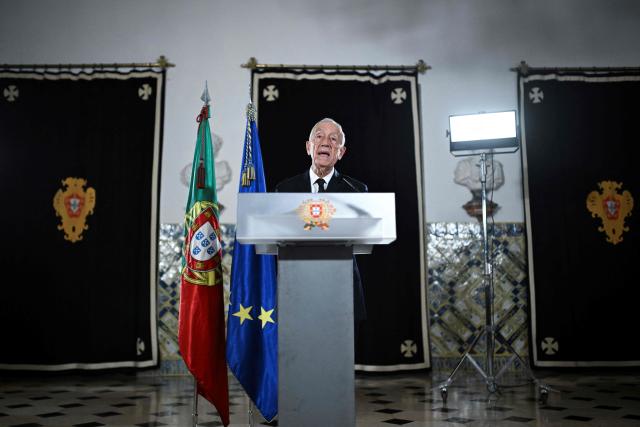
[{"x": 316, "y": 381}]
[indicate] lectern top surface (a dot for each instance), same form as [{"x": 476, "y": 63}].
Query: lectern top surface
[{"x": 351, "y": 218}]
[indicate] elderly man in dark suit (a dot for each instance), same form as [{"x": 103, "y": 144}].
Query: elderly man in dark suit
[{"x": 326, "y": 145}]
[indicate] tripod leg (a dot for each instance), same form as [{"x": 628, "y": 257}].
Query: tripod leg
[
  {"x": 443, "y": 387},
  {"x": 505, "y": 366},
  {"x": 544, "y": 388},
  {"x": 476, "y": 365}
]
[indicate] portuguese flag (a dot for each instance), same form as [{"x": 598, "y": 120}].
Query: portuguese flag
[{"x": 201, "y": 322}]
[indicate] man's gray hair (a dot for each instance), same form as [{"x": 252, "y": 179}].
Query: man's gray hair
[{"x": 329, "y": 120}]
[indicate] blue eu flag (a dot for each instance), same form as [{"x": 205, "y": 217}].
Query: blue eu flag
[{"x": 252, "y": 332}]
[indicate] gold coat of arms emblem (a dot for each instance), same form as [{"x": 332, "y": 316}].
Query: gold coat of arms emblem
[
  {"x": 73, "y": 205},
  {"x": 612, "y": 208},
  {"x": 316, "y": 213}
]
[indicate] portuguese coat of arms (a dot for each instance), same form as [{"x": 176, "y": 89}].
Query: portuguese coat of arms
[
  {"x": 316, "y": 213},
  {"x": 612, "y": 208},
  {"x": 73, "y": 205},
  {"x": 203, "y": 247}
]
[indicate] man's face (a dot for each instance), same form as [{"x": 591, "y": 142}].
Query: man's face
[{"x": 325, "y": 146}]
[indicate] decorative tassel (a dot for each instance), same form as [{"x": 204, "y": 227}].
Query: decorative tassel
[
  {"x": 201, "y": 175},
  {"x": 248, "y": 175},
  {"x": 248, "y": 171}
]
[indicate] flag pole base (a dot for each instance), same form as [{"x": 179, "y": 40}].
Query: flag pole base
[{"x": 194, "y": 413}]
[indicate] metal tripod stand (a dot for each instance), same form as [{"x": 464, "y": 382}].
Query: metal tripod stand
[{"x": 488, "y": 329}]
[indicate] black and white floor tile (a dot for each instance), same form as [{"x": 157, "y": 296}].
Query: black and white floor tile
[{"x": 593, "y": 398}]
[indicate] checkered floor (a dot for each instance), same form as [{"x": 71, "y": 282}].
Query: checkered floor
[{"x": 602, "y": 398}]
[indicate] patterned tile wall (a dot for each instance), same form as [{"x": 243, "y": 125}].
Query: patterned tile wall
[
  {"x": 170, "y": 264},
  {"x": 455, "y": 293},
  {"x": 456, "y": 297}
]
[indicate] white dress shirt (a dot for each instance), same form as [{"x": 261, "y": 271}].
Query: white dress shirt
[{"x": 313, "y": 177}]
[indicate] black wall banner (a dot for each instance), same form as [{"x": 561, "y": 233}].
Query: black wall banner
[
  {"x": 79, "y": 175},
  {"x": 581, "y": 185},
  {"x": 380, "y": 116}
]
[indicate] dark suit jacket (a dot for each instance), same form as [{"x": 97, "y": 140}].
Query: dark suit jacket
[{"x": 339, "y": 184}]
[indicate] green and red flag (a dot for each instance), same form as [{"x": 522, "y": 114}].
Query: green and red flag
[{"x": 201, "y": 330}]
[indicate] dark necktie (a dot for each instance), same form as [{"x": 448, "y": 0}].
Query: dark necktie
[{"x": 320, "y": 183}]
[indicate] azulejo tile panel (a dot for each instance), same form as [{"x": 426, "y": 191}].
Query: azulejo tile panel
[
  {"x": 456, "y": 296},
  {"x": 455, "y": 290},
  {"x": 170, "y": 265}
]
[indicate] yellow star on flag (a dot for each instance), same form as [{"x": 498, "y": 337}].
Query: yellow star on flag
[
  {"x": 243, "y": 314},
  {"x": 265, "y": 316}
]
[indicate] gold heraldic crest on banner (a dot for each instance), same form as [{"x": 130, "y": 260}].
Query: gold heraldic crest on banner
[
  {"x": 612, "y": 208},
  {"x": 73, "y": 205}
]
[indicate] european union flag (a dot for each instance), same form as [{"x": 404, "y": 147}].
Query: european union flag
[{"x": 252, "y": 333}]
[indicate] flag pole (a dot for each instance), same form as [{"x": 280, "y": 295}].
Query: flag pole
[
  {"x": 201, "y": 327},
  {"x": 250, "y": 411},
  {"x": 194, "y": 413},
  {"x": 253, "y": 282}
]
